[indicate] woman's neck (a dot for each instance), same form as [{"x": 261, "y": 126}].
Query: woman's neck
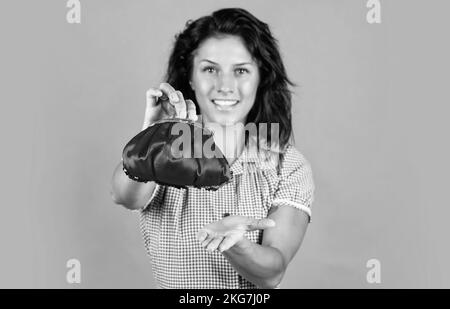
[{"x": 230, "y": 140}]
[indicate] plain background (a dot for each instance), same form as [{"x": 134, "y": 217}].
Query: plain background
[{"x": 370, "y": 114}]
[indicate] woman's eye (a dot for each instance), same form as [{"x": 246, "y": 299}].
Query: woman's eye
[
  {"x": 209, "y": 70},
  {"x": 241, "y": 71}
]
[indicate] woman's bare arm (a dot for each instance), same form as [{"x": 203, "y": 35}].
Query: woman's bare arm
[
  {"x": 129, "y": 193},
  {"x": 265, "y": 264}
]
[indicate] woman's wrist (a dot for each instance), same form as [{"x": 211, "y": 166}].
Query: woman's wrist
[{"x": 242, "y": 246}]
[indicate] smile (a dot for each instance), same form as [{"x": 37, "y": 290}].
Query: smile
[{"x": 225, "y": 102}]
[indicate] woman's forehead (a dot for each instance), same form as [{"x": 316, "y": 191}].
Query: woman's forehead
[{"x": 227, "y": 49}]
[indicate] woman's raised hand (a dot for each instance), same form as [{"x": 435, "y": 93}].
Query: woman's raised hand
[{"x": 166, "y": 102}]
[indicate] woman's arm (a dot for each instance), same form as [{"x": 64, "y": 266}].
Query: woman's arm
[
  {"x": 264, "y": 265},
  {"x": 129, "y": 193},
  {"x": 259, "y": 264}
]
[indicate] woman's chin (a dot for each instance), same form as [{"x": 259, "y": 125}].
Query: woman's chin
[{"x": 223, "y": 120}]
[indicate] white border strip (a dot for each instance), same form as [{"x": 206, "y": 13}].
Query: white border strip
[{"x": 293, "y": 204}]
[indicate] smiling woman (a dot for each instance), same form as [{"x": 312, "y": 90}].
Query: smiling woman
[{"x": 229, "y": 64}]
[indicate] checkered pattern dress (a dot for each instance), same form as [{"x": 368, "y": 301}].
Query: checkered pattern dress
[{"x": 170, "y": 221}]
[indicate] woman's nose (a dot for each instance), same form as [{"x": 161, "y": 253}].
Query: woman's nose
[{"x": 225, "y": 84}]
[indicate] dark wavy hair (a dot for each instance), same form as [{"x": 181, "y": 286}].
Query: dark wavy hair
[{"x": 273, "y": 97}]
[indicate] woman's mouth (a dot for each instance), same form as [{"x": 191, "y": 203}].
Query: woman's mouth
[{"x": 225, "y": 104}]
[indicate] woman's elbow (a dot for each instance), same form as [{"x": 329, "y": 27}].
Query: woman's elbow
[
  {"x": 131, "y": 205},
  {"x": 274, "y": 281},
  {"x": 271, "y": 283}
]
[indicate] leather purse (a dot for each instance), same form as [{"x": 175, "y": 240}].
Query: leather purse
[{"x": 155, "y": 154}]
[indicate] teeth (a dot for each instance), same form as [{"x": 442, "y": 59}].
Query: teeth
[{"x": 225, "y": 102}]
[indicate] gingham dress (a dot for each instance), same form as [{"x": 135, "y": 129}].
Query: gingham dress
[{"x": 172, "y": 217}]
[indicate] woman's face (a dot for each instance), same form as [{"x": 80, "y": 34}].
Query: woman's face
[{"x": 225, "y": 79}]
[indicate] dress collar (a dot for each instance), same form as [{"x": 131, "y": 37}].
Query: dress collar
[{"x": 251, "y": 160}]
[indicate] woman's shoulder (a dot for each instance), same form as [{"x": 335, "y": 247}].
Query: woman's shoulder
[
  {"x": 292, "y": 158},
  {"x": 292, "y": 154},
  {"x": 284, "y": 160}
]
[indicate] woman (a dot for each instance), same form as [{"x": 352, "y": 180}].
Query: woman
[{"x": 245, "y": 234}]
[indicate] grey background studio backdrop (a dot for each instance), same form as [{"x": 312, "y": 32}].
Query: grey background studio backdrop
[{"x": 370, "y": 114}]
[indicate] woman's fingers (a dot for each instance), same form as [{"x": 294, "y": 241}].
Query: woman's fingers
[
  {"x": 166, "y": 102},
  {"x": 176, "y": 99},
  {"x": 201, "y": 235},
  {"x": 259, "y": 224},
  {"x": 207, "y": 240},
  {"x": 169, "y": 91},
  {"x": 214, "y": 243},
  {"x": 170, "y": 95},
  {"x": 191, "y": 110},
  {"x": 229, "y": 241},
  {"x": 180, "y": 106},
  {"x": 151, "y": 96}
]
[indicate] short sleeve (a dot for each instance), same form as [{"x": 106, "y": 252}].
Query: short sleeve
[
  {"x": 157, "y": 197},
  {"x": 296, "y": 184}
]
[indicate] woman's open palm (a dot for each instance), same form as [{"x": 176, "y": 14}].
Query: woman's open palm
[{"x": 225, "y": 233}]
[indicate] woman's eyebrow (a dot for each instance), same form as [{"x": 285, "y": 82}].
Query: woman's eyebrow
[
  {"x": 236, "y": 64},
  {"x": 206, "y": 60}
]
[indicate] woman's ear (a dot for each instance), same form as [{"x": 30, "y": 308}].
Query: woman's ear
[{"x": 192, "y": 87}]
